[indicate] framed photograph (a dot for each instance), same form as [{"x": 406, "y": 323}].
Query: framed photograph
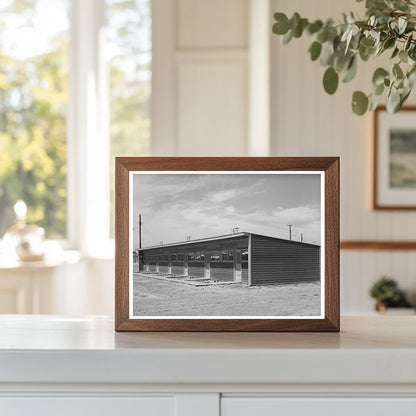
[
  {"x": 227, "y": 244},
  {"x": 394, "y": 159}
]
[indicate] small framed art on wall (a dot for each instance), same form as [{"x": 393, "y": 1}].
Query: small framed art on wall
[{"x": 394, "y": 178}]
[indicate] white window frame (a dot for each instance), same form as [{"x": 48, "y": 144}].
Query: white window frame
[{"x": 88, "y": 137}]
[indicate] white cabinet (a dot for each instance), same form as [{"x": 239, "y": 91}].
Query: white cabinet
[
  {"x": 87, "y": 406},
  {"x": 272, "y": 406},
  {"x": 52, "y": 365}
]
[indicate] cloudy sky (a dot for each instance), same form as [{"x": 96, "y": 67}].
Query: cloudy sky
[{"x": 174, "y": 206}]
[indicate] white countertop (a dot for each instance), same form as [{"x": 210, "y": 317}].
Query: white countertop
[{"x": 53, "y": 349}]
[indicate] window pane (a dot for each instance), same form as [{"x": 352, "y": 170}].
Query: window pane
[
  {"x": 33, "y": 100},
  {"x": 129, "y": 51}
]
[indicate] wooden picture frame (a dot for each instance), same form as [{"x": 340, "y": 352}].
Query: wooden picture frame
[
  {"x": 134, "y": 179},
  {"x": 394, "y": 144}
]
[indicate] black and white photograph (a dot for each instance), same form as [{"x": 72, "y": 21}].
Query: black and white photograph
[{"x": 226, "y": 244}]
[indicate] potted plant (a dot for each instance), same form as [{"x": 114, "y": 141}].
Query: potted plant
[
  {"x": 387, "y": 294},
  {"x": 389, "y": 27}
]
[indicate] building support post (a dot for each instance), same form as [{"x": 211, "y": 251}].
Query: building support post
[{"x": 250, "y": 281}]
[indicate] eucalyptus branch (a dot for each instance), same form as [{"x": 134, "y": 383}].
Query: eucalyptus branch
[{"x": 388, "y": 25}]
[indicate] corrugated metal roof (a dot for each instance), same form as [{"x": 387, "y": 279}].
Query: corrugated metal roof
[
  {"x": 201, "y": 240},
  {"x": 221, "y": 237}
]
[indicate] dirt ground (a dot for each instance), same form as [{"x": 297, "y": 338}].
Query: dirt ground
[{"x": 153, "y": 297}]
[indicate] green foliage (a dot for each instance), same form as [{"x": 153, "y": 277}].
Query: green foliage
[
  {"x": 34, "y": 103},
  {"x": 130, "y": 90},
  {"x": 33, "y": 96},
  {"x": 389, "y": 26},
  {"x": 387, "y": 292}
]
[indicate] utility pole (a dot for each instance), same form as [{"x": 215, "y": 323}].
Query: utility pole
[
  {"x": 290, "y": 231},
  {"x": 301, "y": 237},
  {"x": 140, "y": 230}
]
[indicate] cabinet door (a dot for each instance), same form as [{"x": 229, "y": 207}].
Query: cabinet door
[
  {"x": 274, "y": 406},
  {"x": 87, "y": 406}
]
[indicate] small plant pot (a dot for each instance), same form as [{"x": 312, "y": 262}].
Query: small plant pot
[{"x": 382, "y": 309}]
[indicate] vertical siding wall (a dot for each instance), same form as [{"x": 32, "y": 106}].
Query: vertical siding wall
[
  {"x": 200, "y": 77},
  {"x": 308, "y": 122},
  {"x": 277, "y": 261}
]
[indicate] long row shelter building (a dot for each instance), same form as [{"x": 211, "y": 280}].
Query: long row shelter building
[{"x": 249, "y": 258}]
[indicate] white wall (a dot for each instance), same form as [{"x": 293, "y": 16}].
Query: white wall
[
  {"x": 200, "y": 77},
  {"x": 211, "y": 93},
  {"x": 308, "y": 122}
]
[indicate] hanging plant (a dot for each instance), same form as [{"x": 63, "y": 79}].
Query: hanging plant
[{"x": 389, "y": 27}]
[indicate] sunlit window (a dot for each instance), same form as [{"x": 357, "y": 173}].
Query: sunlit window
[
  {"x": 129, "y": 45},
  {"x": 41, "y": 82},
  {"x": 33, "y": 102}
]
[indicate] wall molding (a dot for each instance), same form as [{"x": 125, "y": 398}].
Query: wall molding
[{"x": 377, "y": 245}]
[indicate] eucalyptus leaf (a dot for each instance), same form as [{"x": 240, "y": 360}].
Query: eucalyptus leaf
[
  {"x": 330, "y": 80},
  {"x": 350, "y": 73},
  {"x": 314, "y": 27},
  {"x": 402, "y": 22},
  {"x": 393, "y": 101},
  {"x": 389, "y": 43},
  {"x": 376, "y": 4},
  {"x": 378, "y": 89},
  {"x": 408, "y": 42},
  {"x": 374, "y": 102},
  {"x": 315, "y": 50},
  {"x": 379, "y": 75},
  {"x": 359, "y": 103},
  {"x": 327, "y": 54},
  {"x": 397, "y": 71},
  {"x": 395, "y": 52},
  {"x": 281, "y": 26},
  {"x": 288, "y": 37},
  {"x": 341, "y": 62},
  {"x": 403, "y": 56}
]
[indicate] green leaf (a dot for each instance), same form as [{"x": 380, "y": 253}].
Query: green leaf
[
  {"x": 366, "y": 53},
  {"x": 288, "y": 37},
  {"x": 294, "y": 20},
  {"x": 374, "y": 101},
  {"x": 327, "y": 53},
  {"x": 314, "y": 27},
  {"x": 376, "y": 4},
  {"x": 298, "y": 30},
  {"x": 393, "y": 101},
  {"x": 395, "y": 52},
  {"x": 403, "y": 56},
  {"x": 359, "y": 103},
  {"x": 281, "y": 27},
  {"x": 315, "y": 50},
  {"x": 322, "y": 36},
  {"x": 378, "y": 89},
  {"x": 408, "y": 42},
  {"x": 402, "y": 24},
  {"x": 379, "y": 75},
  {"x": 403, "y": 96},
  {"x": 341, "y": 61},
  {"x": 367, "y": 42},
  {"x": 389, "y": 43},
  {"x": 330, "y": 80},
  {"x": 351, "y": 71},
  {"x": 397, "y": 71}
]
